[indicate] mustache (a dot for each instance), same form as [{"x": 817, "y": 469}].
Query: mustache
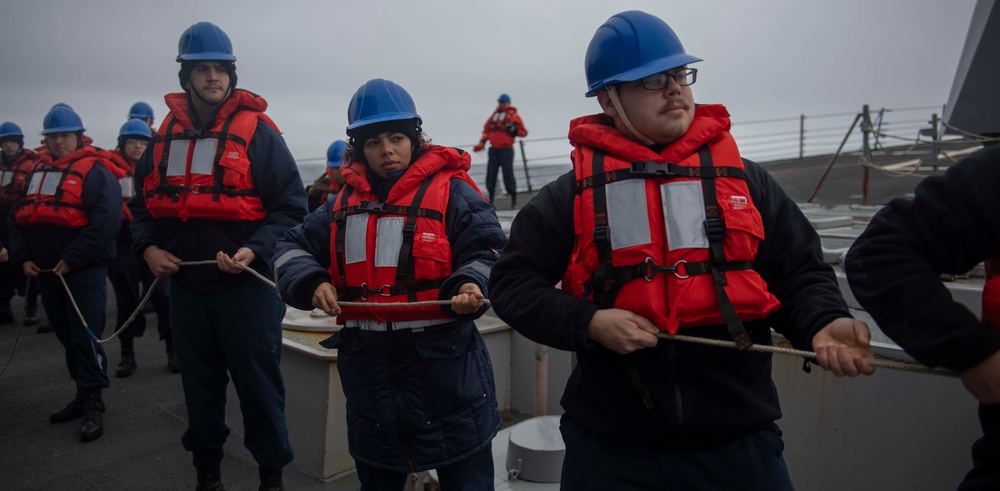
[{"x": 674, "y": 104}]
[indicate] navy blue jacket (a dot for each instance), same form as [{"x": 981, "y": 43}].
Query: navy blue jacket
[
  {"x": 894, "y": 267},
  {"x": 439, "y": 381},
  {"x": 702, "y": 395},
  {"x": 277, "y": 180},
  {"x": 80, "y": 247}
]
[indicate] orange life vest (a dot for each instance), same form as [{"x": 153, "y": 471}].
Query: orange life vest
[
  {"x": 671, "y": 236},
  {"x": 396, "y": 251},
  {"x": 13, "y": 177},
  {"x": 123, "y": 171},
  {"x": 206, "y": 173},
  {"x": 495, "y": 129},
  {"x": 991, "y": 292},
  {"x": 54, "y": 193}
]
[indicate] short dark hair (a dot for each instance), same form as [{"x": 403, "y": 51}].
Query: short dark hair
[{"x": 408, "y": 127}]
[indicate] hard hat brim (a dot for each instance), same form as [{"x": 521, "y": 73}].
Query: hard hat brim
[
  {"x": 206, "y": 57},
  {"x": 64, "y": 129}
]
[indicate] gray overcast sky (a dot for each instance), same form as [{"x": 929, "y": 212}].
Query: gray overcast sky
[{"x": 763, "y": 58}]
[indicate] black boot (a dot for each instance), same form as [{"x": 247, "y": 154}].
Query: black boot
[
  {"x": 93, "y": 406},
  {"x": 6, "y": 315},
  {"x": 31, "y": 311},
  {"x": 270, "y": 480},
  {"x": 207, "y": 464},
  {"x": 171, "y": 356},
  {"x": 128, "y": 364},
  {"x": 209, "y": 478},
  {"x": 72, "y": 411}
]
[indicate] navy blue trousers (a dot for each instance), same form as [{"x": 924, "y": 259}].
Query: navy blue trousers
[
  {"x": 85, "y": 358},
  {"x": 751, "y": 463},
  {"x": 501, "y": 158},
  {"x": 472, "y": 474},
  {"x": 235, "y": 333},
  {"x": 985, "y": 473}
]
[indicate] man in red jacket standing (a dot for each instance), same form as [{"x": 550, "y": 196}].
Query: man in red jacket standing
[{"x": 501, "y": 129}]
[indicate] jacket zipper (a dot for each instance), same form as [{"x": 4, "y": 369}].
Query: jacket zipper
[
  {"x": 679, "y": 406},
  {"x": 401, "y": 421}
]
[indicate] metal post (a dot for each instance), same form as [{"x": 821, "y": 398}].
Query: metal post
[
  {"x": 834, "y": 159},
  {"x": 866, "y": 150},
  {"x": 802, "y": 136},
  {"x": 935, "y": 144},
  {"x": 524, "y": 160}
]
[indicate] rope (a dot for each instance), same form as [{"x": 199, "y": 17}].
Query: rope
[
  {"x": 809, "y": 355},
  {"x": 20, "y": 325},
  {"x": 895, "y": 365}
]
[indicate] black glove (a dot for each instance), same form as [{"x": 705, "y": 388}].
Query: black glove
[{"x": 512, "y": 129}]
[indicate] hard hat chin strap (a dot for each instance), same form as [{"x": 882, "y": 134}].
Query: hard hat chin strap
[{"x": 613, "y": 95}]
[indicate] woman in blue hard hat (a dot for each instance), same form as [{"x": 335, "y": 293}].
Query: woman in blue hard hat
[
  {"x": 408, "y": 226},
  {"x": 332, "y": 180},
  {"x": 16, "y": 163},
  {"x": 126, "y": 271},
  {"x": 65, "y": 223}
]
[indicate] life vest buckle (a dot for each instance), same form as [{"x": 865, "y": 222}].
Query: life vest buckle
[
  {"x": 650, "y": 269},
  {"x": 652, "y": 169},
  {"x": 601, "y": 235},
  {"x": 715, "y": 228},
  {"x": 372, "y": 206},
  {"x": 194, "y": 133}
]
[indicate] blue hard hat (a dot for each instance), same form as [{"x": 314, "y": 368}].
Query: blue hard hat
[
  {"x": 204, "y": 41},
  {"x": 10, "y": 129},
  {"x": 141, "y": 110},
  {"x": 380, "y": 100},
  {"x": 335, "y": 154},
  {"x": 61, "y": 104},
  {"x": 61, "y": 119},
  {"x": 503, "y": 98},
  {"x": 631, "y": 46},
  {"x": 135, "y": 127}
]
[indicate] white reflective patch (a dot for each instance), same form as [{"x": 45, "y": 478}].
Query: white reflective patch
[
  {"x": 35, "y": 182},
  {"x": 126, "y": 183},
  {"x": 204, "y": 156},
  {"x": 684, "y": 212},
  {"x": 50, "y": 183},
  {"x": 388, "y": 240},
  {"x": 6, "y": 178},
  {"x": 177, "y": 161},
  {"x": 356, "y": 239},
  {"x": 627, "y": 213}
]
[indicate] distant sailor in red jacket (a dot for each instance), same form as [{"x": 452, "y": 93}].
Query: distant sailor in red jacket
[{"x": 504, "y": 124}]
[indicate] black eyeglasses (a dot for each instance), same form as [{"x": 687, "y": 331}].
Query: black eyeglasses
[{"x": 659, "y": 81}]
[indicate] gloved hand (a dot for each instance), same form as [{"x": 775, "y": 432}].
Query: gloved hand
[
  {"x": 479, "y": 147},
  {"x": 512, "y": 129}
]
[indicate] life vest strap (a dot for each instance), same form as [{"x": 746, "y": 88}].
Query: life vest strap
[
  {"x": 363, "y": 292},
  {"x": 380, "y": 208},
  {"x": 174, "y": 191},
  {"x": 645, "y": 169},
  {"x": 715, "y": 230}
]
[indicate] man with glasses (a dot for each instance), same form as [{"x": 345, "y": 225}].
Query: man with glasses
[{"x": 661, "y": 229}]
